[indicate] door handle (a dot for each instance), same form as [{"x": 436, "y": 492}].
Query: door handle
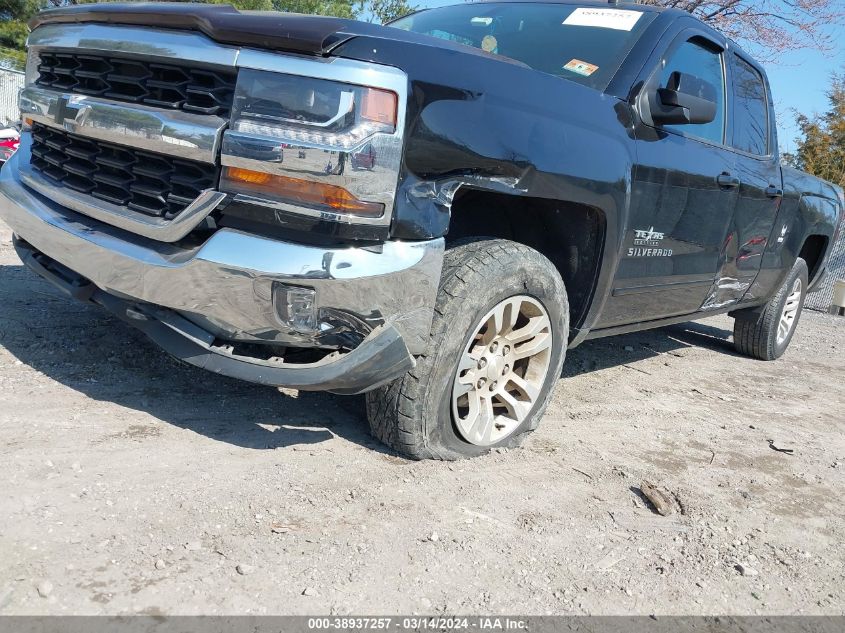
[
  {"x": 774, "y": 192},
  {"x": 727, "y": 181}
]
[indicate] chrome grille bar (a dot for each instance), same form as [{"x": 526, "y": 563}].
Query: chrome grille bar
[{"x": 169, "y": 132}]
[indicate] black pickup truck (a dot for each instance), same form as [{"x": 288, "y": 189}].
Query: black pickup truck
[{"x": 430, "y": 212}]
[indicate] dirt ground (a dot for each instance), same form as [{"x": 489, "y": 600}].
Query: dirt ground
[{"x": 133, "y": 484}]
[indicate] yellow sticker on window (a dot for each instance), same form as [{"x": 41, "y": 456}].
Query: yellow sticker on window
[
  {"x": 582, "y": 68},
  {"x": 489, "y": 44}
]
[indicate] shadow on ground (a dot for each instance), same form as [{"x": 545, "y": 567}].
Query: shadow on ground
[
  {"x": 87, "y": 350},
  {"x": 626, "y": 349}
]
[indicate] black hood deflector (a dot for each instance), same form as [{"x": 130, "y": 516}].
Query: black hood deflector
[
  {"x": 271, "y": 30},
  {"x": 293, "y": 32}
]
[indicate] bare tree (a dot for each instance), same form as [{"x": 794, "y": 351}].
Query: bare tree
[{"x": 770, "y": 26}]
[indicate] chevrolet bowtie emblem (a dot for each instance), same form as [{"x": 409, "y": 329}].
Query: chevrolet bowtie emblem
[{"x": 66, "y": 110}]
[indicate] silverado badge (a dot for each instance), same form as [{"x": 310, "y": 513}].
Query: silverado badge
[{"x": 646, "y": 242}]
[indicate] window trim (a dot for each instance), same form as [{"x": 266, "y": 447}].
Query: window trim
[
  {"x": 770, "y": 153},
  {"x": 721, "y": 53},
  {"x": 645, "y": 79},
  {"x": 653, "y": 78}
]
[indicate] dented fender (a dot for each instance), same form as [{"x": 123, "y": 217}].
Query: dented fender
[{"x": 490, "y": 123}]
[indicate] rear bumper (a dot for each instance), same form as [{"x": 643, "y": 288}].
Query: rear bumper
[{"x": 193, "y": 300}]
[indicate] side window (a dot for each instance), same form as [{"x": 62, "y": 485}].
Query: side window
[
  {"x": 694, "y": 58},
  {"x": 751, "y": 110}
]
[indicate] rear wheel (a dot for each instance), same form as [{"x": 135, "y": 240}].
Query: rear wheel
[
  {"x": 766, "y": 332},
  {"x": 496, "y": 348}
]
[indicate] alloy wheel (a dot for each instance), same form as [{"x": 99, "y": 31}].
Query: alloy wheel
[
  {"x": 790, "y": 311},
  {"x": 501, "y": 372}
]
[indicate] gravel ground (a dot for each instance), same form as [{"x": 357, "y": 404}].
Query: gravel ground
[{"x": 133, "y": 484}]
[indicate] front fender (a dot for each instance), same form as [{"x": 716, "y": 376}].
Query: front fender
[{"x": 493, "y": 124}]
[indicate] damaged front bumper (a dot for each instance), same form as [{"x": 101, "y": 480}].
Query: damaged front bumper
[{"x": 206, "y": 303}]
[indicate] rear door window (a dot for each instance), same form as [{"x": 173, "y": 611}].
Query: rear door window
[{"x": 751, "y": 110}]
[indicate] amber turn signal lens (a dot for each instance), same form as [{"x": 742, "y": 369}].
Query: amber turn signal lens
[
  {"x": 247, "y": 175},
  {"x": 379, "y": 106},
  {"x": 302, "y": 191}
]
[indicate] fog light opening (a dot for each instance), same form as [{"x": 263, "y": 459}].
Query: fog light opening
[{"x": 296, "y": 308}]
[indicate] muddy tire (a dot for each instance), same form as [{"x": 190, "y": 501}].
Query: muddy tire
[
  {"x": 766, "y": 332},
  {"x": 492, "y": 293}
]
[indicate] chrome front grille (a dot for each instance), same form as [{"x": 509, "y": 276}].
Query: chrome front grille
[
  {"x": 192, "y": 89},
  {"x": 131, "y": 125},
  {"x": 152, "y": 184}
]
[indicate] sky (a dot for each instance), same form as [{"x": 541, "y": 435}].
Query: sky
[{"x": 799, "y": 79}]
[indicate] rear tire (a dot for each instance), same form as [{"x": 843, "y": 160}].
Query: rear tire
[
  {"x": 765, "y": 332},
  {"x": 485, "y": 282}
]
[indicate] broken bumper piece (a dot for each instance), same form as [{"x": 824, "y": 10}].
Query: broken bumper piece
[
  {"x": 238, "y": 304},
  {"x": 381, "y": 357}
]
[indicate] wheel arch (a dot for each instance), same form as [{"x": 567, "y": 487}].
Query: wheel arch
[
  {"x": 813, "y": 227},
  {"x": 812, "y": 252},
  {"x": 571, "y": 235}
]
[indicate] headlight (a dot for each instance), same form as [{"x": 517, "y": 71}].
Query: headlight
[
  {"x": 307, "y": 110},
  {"x": 297, "y": 142}
]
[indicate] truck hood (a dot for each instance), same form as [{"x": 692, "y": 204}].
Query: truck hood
[{"x": 292, "y": 32}]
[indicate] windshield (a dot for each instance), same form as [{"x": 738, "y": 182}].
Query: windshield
[{"x": 584, "y": 44}]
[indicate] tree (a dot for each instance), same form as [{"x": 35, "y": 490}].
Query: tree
[
  {"x": 245, "y": 5},
  {"x": 821, "y": 150},
  {"x": 385, "y": 10},
  {"x": 336, "y": 8},
  {"x": 770, "y": 27},
  {"x": 13, "y": 34},
  {"x": 13, "y": 30},
  {"x": 18, "y": 9}
]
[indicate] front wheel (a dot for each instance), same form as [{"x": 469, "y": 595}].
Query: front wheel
[
  {"x": 766, "y": 332},
  {"x": 497, "y": 344}
]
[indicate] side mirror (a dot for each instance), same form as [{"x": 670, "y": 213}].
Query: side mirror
[{"x": 685, "y": 100}]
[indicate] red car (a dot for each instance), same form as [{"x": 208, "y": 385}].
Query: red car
[
  {"x": 10, "y": 138},
  {"x": 365, "y": 159}
]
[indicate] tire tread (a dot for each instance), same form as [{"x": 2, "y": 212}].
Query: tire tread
[
  {"x": 755, "y": 331},
  {"x": 395, "y": 410}
]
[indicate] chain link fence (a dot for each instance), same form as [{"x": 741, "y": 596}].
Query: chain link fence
[
  {"x": 11, "y": 83},
  {"x": 821, "y": 299}
]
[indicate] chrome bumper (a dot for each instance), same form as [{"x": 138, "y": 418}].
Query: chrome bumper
[{"x": 225, "y": 285}]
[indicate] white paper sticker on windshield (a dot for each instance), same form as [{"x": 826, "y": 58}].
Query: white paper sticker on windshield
[{"x": 618, "y": 19}]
